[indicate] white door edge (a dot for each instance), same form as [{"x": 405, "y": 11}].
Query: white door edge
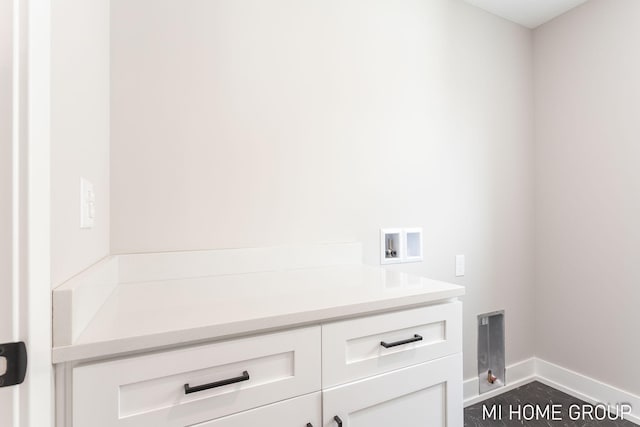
[
  {"x": 30, "y": 206},
  {"x": 8, "y": 284}
]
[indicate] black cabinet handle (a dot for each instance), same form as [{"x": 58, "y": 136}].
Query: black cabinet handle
[
  {"x": 188, "y": 389},
  {"x": 415, "y": 338},
  {"x": 338, "y": 420},
  {"x": 309, "y": 425}
]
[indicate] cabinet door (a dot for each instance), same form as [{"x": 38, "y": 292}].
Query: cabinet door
[
  {"x": 425, "y": 395},
  {"x": 296, "y": 412}
]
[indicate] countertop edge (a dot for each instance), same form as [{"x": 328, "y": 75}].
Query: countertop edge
[{"x": 85, "y": 352}]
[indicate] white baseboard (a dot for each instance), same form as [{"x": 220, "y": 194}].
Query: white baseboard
[
  {"x": 518, "y": 374},
  {"x": 570, "y": 382},
  {"x": 585, "y": 388}
]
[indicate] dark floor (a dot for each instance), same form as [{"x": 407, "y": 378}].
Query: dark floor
[{"x": 541, "y": 397}]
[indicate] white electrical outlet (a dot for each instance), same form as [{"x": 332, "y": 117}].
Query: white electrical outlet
[
  {"x": 459, "y": 265},
  {"x": 87, "y": 204}
]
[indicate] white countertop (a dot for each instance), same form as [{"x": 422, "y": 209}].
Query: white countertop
[{"x": 146, "y": 315}]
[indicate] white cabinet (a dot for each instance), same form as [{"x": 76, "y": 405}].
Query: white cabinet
[
  {"x": 362, "y": 347},
  {"x": 298, "y": 412},
  {"x": 187, "y": 386},
  {"x": 401, "y": 368},
  {"x": 424, "y": 395}
]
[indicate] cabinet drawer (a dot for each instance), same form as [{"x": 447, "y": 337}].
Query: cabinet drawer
[
  {"x": 353, "y": 349},
  {"x": 295, "y": 412},
  {"x": 151, "y": 390},
  {"x": 428, "y": 394}
]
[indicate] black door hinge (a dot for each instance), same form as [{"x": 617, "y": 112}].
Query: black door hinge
[{"x": 15, "y": 355}]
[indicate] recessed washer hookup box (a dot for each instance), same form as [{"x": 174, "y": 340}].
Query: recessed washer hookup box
[{"x": 491, "y": 358}]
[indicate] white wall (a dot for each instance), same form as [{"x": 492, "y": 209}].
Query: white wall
[
  {"x": 243, "y": 123},
  {"x": 588, "y": 191},
  {"x": 79, "y": 132}
]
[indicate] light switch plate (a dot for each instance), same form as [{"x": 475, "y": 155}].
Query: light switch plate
[
  {"x": 459, "y": 265},
  {"x": 87, "y": 204}
]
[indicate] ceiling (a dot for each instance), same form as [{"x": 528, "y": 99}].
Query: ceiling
[{"x": 530, "y": 13}]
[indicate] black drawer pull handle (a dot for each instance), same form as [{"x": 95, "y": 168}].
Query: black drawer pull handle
[
  {"x": 415, "y": 338},
  {"x": 338, "y": 420},
  {"x": 309, "y": 425},
  {"x": 188, "y": 389}
]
